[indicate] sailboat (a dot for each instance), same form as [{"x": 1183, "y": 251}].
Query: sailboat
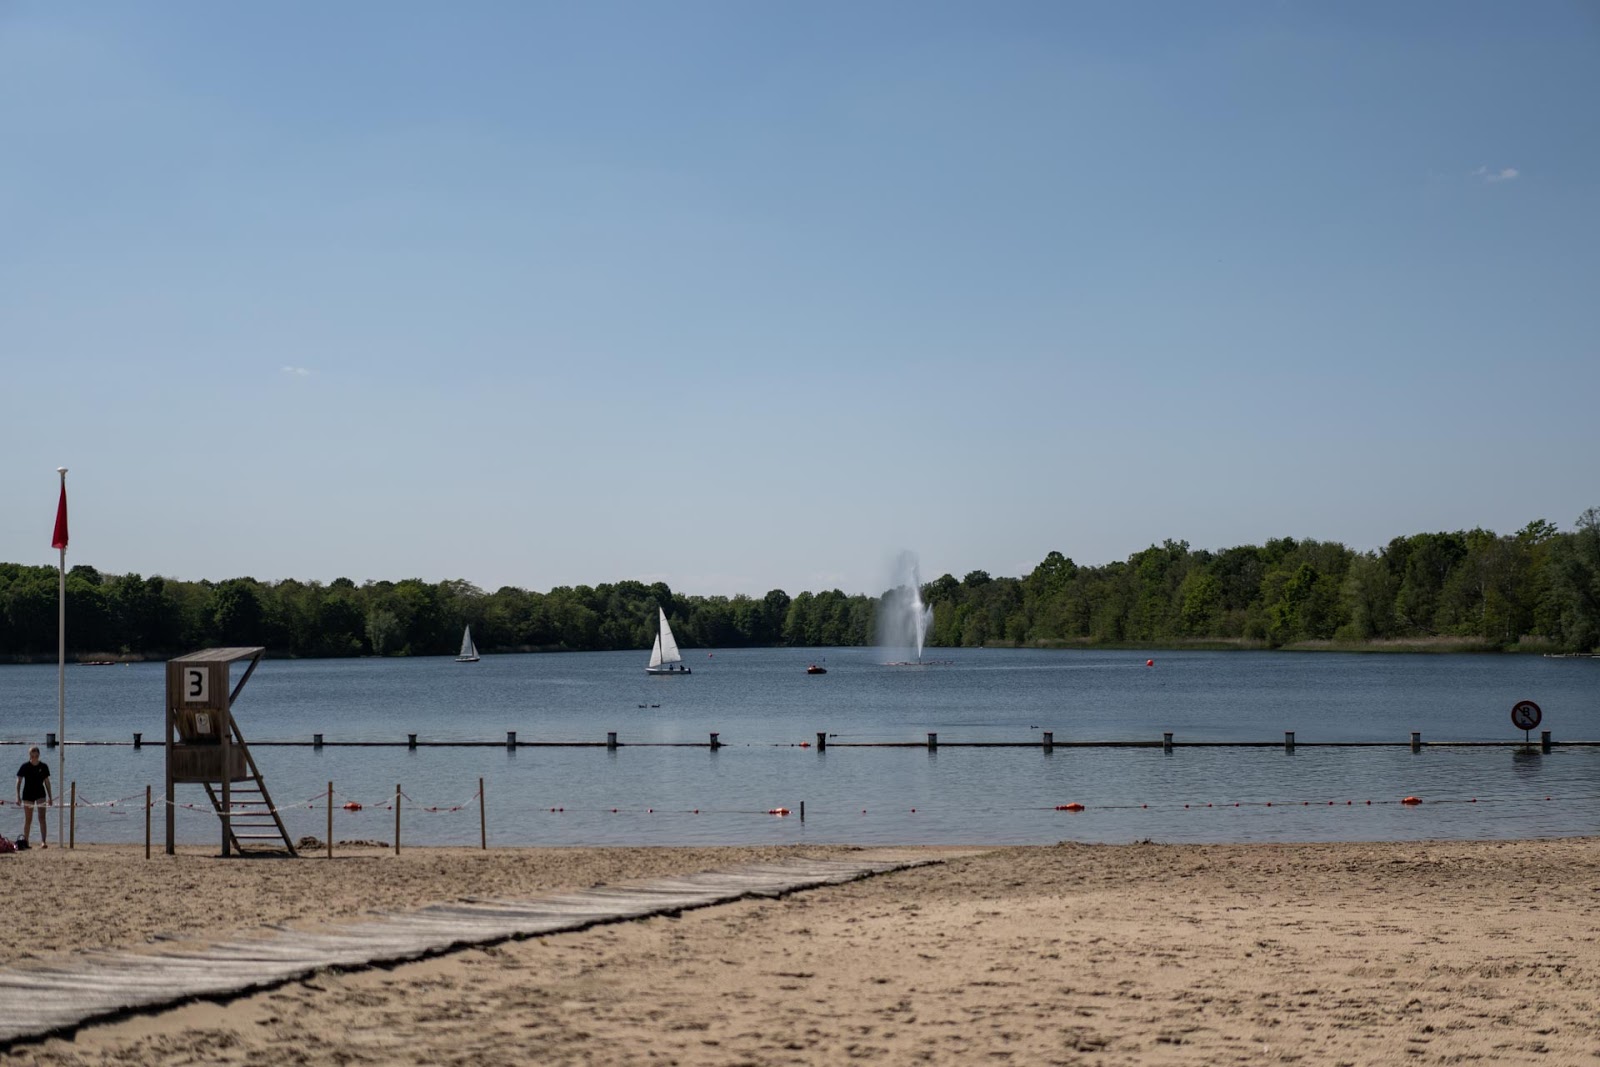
[
  {"x": 469, "y": 651},
  {"x": 664, "y": 656}
]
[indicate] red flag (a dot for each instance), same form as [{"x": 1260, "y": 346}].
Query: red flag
[{"x": 60, "y": 539}]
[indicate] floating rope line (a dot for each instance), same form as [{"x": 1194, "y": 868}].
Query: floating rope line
[{"x": 351, "y": 806}]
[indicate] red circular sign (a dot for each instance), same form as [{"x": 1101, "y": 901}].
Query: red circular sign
[{"x": 1525, "y": 715}]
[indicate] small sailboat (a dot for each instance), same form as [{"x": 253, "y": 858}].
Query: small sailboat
[
  {"x": 469, "y": 651},
  {"x": 664, "y": 656}
]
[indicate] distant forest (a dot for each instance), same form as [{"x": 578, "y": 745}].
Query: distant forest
[{"x": 1536, "y": 589}]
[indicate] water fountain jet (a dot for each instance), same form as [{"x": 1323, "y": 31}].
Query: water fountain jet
[{"x": 903, "y": 618}]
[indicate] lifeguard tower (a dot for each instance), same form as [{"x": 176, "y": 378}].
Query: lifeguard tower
[{"x": 204, "y": 745}]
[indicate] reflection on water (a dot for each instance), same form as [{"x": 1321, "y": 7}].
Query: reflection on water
[
  {"x": 1526, "y": 762},
  {"x": 764, "y": 705}
]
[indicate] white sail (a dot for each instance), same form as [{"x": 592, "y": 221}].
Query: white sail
[
  {"x": 669, "y": 646},
  {"x": 469, "y": 651},
  {"x": 664, "y": 656}
]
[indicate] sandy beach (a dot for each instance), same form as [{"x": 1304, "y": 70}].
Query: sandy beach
[{"x": 1413, "y": 953}]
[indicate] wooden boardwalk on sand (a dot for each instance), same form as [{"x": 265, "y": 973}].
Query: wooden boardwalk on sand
[{"x": 52, "y": 997}]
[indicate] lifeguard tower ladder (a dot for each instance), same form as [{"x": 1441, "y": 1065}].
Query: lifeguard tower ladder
[{"x": 204, "y": 745}]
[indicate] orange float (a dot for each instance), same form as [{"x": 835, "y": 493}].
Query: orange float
[
  {"x": 1074, "y": 806},
  {"x": 1412, "y": 800}
]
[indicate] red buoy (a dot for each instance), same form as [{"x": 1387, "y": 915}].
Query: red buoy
[
  {"x": 1412, "y": 800},
  {"x": 1074, "y": 806},
  {"x": 1149, "y": 663}
]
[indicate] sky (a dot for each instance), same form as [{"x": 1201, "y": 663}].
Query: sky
[{"x": 747, "y": 296}]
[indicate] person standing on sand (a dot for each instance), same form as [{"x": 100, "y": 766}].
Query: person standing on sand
[{"x": 33, "y": 793}]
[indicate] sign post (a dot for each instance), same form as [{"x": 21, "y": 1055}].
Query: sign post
[{"x": 1526, "y": 716}]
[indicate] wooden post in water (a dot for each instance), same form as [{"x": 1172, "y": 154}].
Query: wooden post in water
[
  {"x": 1166, "y": 742},
  {"x": 822, "y": 740},
  {"x": 802, "y": 811},
  {"x": 330, "y": 820},
  {"x": 483, "y": 820},
  {"x": 138, "y": 739},
  {"x": 611, "y": 741},
  {"x": 1288, "y": 740},
  {"x": 316, "y": 741},
  {"x": 397, "y": 818},
  {"x": 1544, "y": 740},
  {"x": 1416, "y": 740},
  {"x": 72, "y": 820},
  {"x": 146, "y": 822},
  {"x": 933, "y": 741},
  {"x": 411, "y": 741},
  {"x": 1049, "y": 740},
  {"x": 511, "y": 740},
  {"x": 715, "y": 744}
]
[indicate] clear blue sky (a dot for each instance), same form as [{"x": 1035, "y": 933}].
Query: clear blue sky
[{"x": 752, "y": 295}]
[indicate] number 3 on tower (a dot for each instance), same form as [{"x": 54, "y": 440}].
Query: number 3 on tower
[{"x": 196, "y": 685}]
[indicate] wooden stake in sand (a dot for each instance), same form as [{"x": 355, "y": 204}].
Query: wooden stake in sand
[
  {"x": 146, "y": 822},
  {"x": 483, "y": 822},
  {"x": 397, "y": 818},
  {"x": 330, "y": 820}
]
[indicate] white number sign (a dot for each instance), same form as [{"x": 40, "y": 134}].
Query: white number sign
[{"x": 196, "y": 685}]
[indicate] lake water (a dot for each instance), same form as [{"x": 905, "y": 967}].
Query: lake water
[{"x": 764, "y": 706}]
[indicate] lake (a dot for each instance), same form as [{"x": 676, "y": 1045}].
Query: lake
[{"x": 764, "y": 706}]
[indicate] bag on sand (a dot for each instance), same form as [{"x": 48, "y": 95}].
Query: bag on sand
[{"x": 6, "y": 846}]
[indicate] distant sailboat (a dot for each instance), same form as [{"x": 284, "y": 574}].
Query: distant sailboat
[
  {"x": 469, "y": 651},
  {"x": 664, "y": 656}
]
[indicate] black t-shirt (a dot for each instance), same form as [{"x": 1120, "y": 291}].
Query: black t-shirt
[{"x": 33, "y": 776}]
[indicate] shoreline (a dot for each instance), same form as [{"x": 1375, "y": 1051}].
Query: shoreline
[
  {"x": 1360, "y": 952},
  {"x": 1389, "y": 645}
]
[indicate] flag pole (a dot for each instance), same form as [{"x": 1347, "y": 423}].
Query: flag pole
[{"x": 61, "y": 651}]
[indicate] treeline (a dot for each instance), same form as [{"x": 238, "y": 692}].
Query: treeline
[{"x": 1537, "y": 588}]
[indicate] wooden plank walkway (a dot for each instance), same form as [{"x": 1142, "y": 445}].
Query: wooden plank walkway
[{"x": 54, "y": 997}]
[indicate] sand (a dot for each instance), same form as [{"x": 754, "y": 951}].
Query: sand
[{"x": 1461, "y": 952}]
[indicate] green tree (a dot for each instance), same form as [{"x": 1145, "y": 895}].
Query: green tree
[
  {"x": 1368, "y": 595},
  {"x": 1200, "y": 603},
  {"x": 1574, "y": 592},
  {"x": 237, "y": 613},
  {"x": 383, "y": 627}
]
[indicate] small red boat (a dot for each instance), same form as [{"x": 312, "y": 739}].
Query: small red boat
[{"x": 815, "y": 669}]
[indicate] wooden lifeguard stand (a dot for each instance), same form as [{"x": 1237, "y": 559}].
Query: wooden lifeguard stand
[{"x": 204, "y": 745}]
